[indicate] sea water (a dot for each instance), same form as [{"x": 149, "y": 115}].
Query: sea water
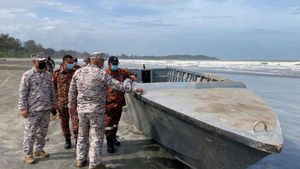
[
  {"x": 278, "y": 83},
  {"x": 283, "y": 95}
]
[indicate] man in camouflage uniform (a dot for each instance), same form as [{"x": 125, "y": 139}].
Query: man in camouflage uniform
[
  {"x": 36, "y": 100},
  {"x": 114, "y": 102},
  {"x": 87, "y": 94},
  {"x": 62, "y": 79}
]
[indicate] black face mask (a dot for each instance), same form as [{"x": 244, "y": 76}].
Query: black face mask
[{"x": 42, "y": 65}]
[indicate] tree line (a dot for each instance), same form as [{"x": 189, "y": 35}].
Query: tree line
[
  {"x": 11, "y": 47},
  {"x": 14, "y": 47}
]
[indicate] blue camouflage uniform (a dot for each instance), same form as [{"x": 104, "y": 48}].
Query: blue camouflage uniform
[
  {"x": 88, "y": 93},
  {"x": 36, "y": 94}
]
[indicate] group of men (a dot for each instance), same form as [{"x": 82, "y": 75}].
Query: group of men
[{"x": 91, "y": 96}]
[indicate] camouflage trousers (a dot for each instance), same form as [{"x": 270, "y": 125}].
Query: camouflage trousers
[
  {"x": 90, "y": 137},
  {"x": 65, "y": 117},
  {"x": 111, "y": 120},
  {"x": 36, "y": 128}
]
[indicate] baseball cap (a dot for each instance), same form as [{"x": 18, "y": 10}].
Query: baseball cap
[
  {"x": 40, "y": 56},
  {"x": 97, "y": 55},
  {"x": 113, "y": 60}
]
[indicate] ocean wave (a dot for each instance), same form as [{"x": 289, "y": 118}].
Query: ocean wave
[
  {"x": 276, "y": 68},
  {"x": 257, "y": 67}
]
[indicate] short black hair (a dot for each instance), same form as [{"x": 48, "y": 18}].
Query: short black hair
[
  {"x": 75, "y": 59},
  {"x": 66, "y": 57}
]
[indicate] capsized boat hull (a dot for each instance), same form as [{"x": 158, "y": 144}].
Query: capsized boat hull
[
  {"x": 205, "y": 121},
  {"x": 191, "y": 144}
]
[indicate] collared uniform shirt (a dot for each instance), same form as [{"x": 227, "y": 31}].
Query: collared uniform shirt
[
  {"x": 62, "y": 80},
  {"x": 115, "y": 99},
  {"x": 36, "y": 92},
  {"x": 88, "y": 89}
]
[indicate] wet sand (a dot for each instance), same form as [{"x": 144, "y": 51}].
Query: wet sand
[{"x": 136, "y": 151}]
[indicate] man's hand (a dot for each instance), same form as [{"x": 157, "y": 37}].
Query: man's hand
[
  {"x": 25, "y": 113},
  {"x": 139, "y": 90},
  {"x": 72, "y": 110}
]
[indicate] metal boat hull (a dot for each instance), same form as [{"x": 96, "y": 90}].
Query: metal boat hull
[
  {"x": 205, "y": 121},
  {"x": 194, "y": 146}
]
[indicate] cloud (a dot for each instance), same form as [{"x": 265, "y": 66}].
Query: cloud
[
  {"x": 165, "y": 26},
  {"x": 266, "y": 32},
  {"x": 61, "y": 6},
  {"x": 4, "y": 13},
  {"x": 31, "y": 14},
  {"x": 16, "y": 4},
  {"x": 296, "y": 11},
  {"x": 211, "y": 17},
  {"x": 155, "y": 2},
  {"x": 215, "y": 0},
  {"x": 16, "y": 12},
  {"x": 151, "y": 23}
]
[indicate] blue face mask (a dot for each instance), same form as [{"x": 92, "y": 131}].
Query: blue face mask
[
  {"x": 70, "y": 66},
  {"x": 114, "y": 67}
]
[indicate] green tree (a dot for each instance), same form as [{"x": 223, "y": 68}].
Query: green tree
[
  {"x": 12, "y": 47},
  {"x": 31, "y": 46}
]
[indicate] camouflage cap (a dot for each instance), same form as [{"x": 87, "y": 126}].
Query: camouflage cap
[
  {"x": 97, "y": 55},
  {"x": 40, "y": 56}
]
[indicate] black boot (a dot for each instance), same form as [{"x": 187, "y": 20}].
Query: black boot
[
  {"x": 68, "y": 143},
  {"x": 75, "y": 144},
  {"x": 110, "y": 144},
  {"x": 115, "y": 140}
]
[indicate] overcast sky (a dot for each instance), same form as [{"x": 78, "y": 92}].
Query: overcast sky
[{"x": 227, "y": 29}]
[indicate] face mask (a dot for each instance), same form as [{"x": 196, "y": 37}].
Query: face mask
[
  {"x": 70, "y": 66},
  {"x": 101, "y": 66},
  {"x": 114, "y": 67},
  {"x": 42, "y": 65}
]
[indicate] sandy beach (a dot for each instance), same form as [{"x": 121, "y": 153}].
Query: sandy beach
[{"x": 136, "y": 150}]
